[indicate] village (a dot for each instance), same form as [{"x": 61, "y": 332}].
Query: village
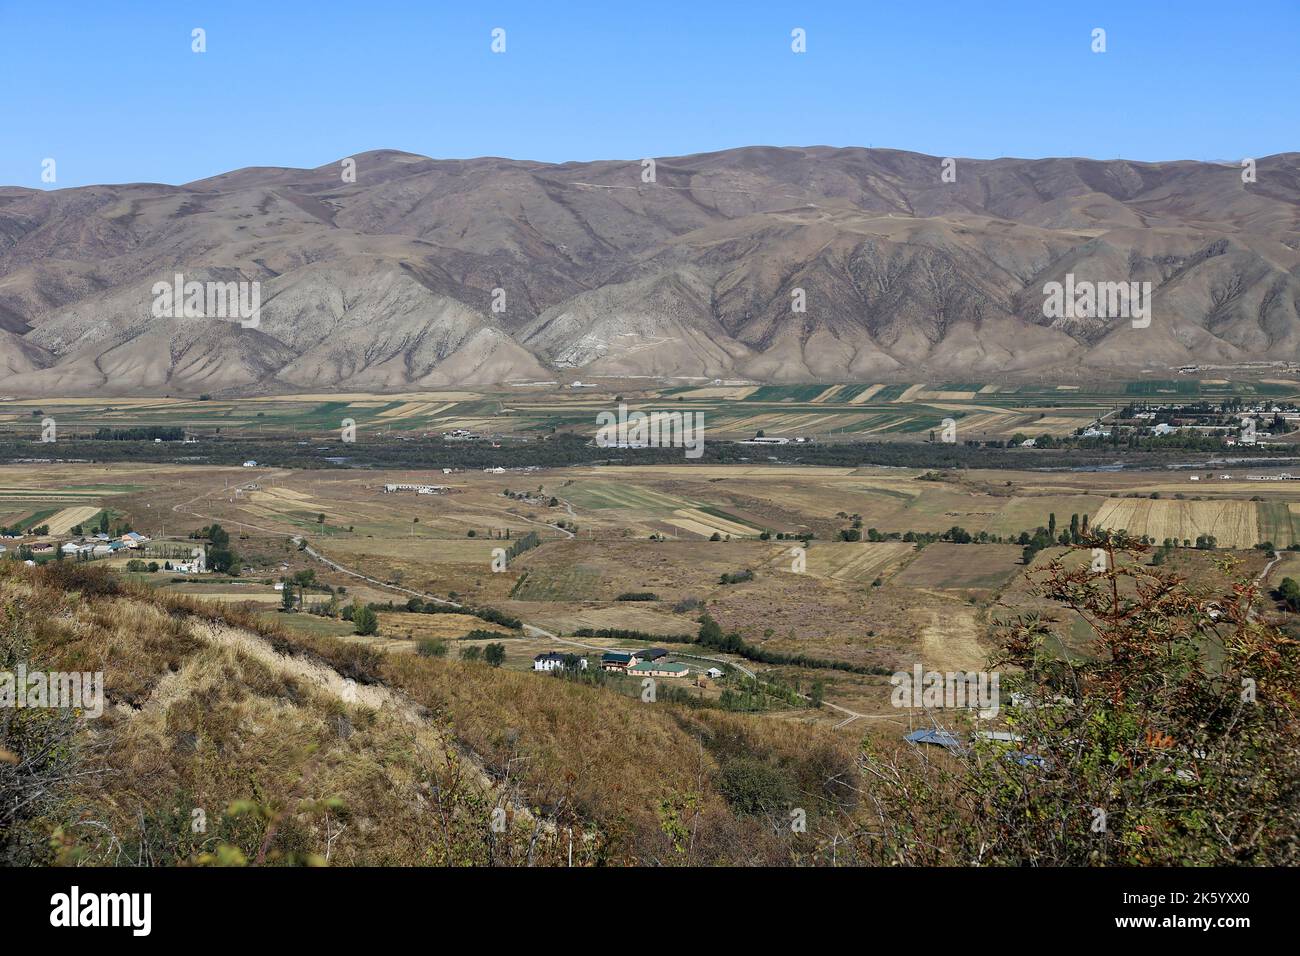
[
  {"x": 37, "y": 545},
  {"x": 1233, "y": 422}
]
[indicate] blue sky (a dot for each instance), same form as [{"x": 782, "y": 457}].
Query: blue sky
[{"x": 112, "y": 91}]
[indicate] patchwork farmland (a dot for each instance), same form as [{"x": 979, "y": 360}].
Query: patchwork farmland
[{"x": 905, "y": 412}]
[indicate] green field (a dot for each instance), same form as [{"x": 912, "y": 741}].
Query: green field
[
  {"x": 602, "y": 495},
  {"x": 546, "y": 583},
  {"x": 1277, "y": 523}
]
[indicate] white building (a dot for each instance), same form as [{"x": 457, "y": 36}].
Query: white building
[
  {"x": 197, "y": 564},
  {"x": 553, "y": 661}
]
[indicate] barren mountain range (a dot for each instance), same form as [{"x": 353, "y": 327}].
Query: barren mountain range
[{"x": 389, "y": 282}]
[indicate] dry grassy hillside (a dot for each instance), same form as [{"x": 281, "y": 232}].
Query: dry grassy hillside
[{"x": 312, "y": 750}]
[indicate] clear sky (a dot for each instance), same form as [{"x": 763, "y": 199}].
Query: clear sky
[{"x": 111, "y": 90}]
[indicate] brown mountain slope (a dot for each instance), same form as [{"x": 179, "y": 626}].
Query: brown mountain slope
[{"x": 389, "y": 282}]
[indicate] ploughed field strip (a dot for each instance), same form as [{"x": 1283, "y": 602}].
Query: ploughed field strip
[{"x": 888, "y": 410}]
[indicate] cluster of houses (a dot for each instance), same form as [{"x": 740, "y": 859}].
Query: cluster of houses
[
  {"x": 649, "y": 662},
  {"x": 99, "y": 545},
  {"x": 102, "y": 545},
  {"x": 1170, "y": 418}
]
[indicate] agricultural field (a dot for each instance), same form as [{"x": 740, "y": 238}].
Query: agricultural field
[
  {"x": 645, "y": 550},
  {"x": 859, "y": 562},
  {"x": 908, "y": 412}
]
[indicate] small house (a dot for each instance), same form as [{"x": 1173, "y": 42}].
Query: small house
[
  {"x": 617, "y": 661},
  {"x": 939, "y": 738},
  {"x": 554, "y": 661},
  {"x": 713, "y": 672}
]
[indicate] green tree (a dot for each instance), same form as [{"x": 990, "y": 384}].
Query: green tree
[
  {"x": 495, "y": 654},
  {"x": 364, "y": 620},
  {"x": 222, "y": 560},
  {"x": 1289, "y": 593}
]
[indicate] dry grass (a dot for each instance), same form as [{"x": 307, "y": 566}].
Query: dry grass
[{"x": 209, "y": 707}]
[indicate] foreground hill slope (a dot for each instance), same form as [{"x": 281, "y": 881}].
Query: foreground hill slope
[
  {"x": 445, "y": 272},
  {"x": 223, "y": 740}
]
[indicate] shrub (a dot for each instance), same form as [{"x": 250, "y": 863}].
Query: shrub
[
  {"x": 432, "y": 648},
  {"x": 365, "y": 620},
  {"x": 1180, "y": 726},
  {"x": 752, "y": 786}
]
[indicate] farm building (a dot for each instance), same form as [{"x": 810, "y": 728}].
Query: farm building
[
  {"x": 555, "y": 661},
  {"x": 617, "y": 661},
  {"x": 659, "y": 669},
  {"x": 940, "y": 738},
  {"x": 652, "y": 653},
  {"x": 713, "y": 672},
  {"x": 197, "y": 564}
]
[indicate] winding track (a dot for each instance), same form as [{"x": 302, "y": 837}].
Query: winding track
[{"x": 184, "y": 507}]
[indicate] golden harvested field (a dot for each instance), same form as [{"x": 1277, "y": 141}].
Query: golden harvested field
[
  {"x": 1233, "y": 523},
  {"x": 857, "y": 562},
  {"x": 419, "y": 627},
  {"x": 702, "y": 523},
  {"x": 961, "y": 567},
  {"x": 69, "y": 518}
]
